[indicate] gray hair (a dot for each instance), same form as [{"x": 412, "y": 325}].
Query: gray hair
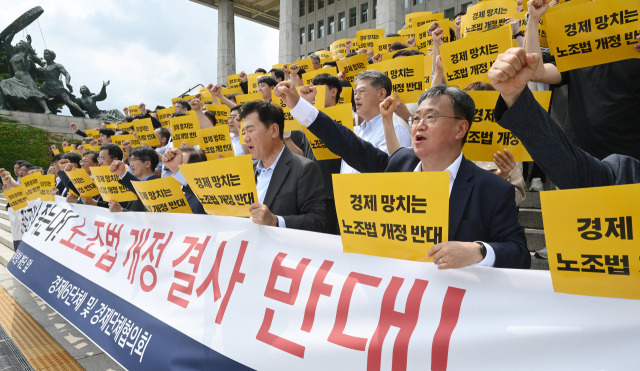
[
  {"x": 461, "y": 102},
  {"x": 315, "y": 58},
  {"x": 377, "y": 79}
]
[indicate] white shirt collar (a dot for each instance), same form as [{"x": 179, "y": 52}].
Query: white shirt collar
[
  {"x": 452, "y": 169},
  {"x": 260, "y": 167}
]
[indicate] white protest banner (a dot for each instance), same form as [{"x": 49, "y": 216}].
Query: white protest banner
[{"x": 178, "y": 291}]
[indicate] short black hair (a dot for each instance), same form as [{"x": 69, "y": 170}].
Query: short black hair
[
  {"x": 184, "y": 103},
  {"x": 160, "y": 107},
  {"x": 261, "y": 70},
  {"x": 268, "y": 113},
  {"x": 407, "y": 53},
  {"x": 114, "y": 150},
  {"x": 94, "y": 155},
  {"x": 73, "y": 157},
  {"x": 397, "y": 46},
  {"x": 57, "y": 157},
  {"x": 20, "y": 162},
  {"x": 268, "y": 80},
  {"x": 165, "y": 133},
  {"x": 146, "y": 154},
  {"x": 328, "y": 80},
  {"x": 107, "y": 132},
  {"x": 278, "y": 72}
]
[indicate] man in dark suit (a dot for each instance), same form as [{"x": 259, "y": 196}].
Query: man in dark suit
[
  {"x": 483, "y": 219},
  {"x": 290, "y": 188},
  {"x": 143, "y": 162}
]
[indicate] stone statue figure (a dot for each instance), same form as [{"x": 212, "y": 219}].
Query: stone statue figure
[
  {"x": 88, "y": 102},
  {"x": 21, "y": 85},
  {"x": 53, "y": 87}
]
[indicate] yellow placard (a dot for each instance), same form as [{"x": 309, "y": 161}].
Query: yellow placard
[
  {"x": 93, "y": 133},
  {"x": 126, "y": 126},
  {"x": 486, "y": 137},
  {"x": 134, "y": 110},
  {"x": 119, "y": 139},
  {"x": 487, "y": 16},
  {"x": 227, "y": 189},
  {"x": 305, "y": 64},
  {"x": 229, "y": 91},
  {"x": 408, "y": 18},
  {"x": 47, "y": 185},
  {"x": 352, "y": 66},
  {"x": 279, "y": 66},
  {"x": 593, "y": 33},
  {"x": 162, "y": 195},
  {"x": 346, "y": 95},
  {"x": 113, "y": 126},
  {"x": 324, "y": 54},
  {"x": 221, "y": 111},
  {"x": 164, "y": 115},
  {"x": 382, "y": 44},
  {"x": 407, "y": 33},
  {"x": 395, "y": 215},
  {"x": 245, "y": 98},
  {"x": 205, "y": 96},
  {"x": 366, "y": 38},
  {"x": 216, "y": 140},
  {"x": 342, "y": 114},
  {"x": 109, "y": 186},
  {"x": 56, "y": 151},
  {"x": 424, "y": 41},
  {"x": 83, "y": 182},
  {"x": 184, "y": 129},
  {"x": 338, "y": 48},
  {"x": 290, "y": 123},
  {"x": 468, "y": 60},
  {"x": 31, "y": 185},
  {"x": 233, "y": 81},
  {"x": 186, "y": 98},
  {"x": 252, "y": 80},
  {"x": 145, "y": 132},
  {"x": 308, "y": 76},
  {"x": 406, "y": 74},
  {"x": 592, "y": 240},
  {"x": 16, "y": 197},
  {"x": 427, "y": 20},
  {"x": 68, "y": 149}
]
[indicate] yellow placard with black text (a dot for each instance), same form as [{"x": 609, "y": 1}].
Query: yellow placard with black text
[
  {"x": 408, "y": 18},
  {"x": 120, "y": 139},
  {"x": 185, "y": 129},
  {"x": 227, "y": 189},
  {"x": 164, "y": 115},
  {"x": 486, "y": 16},
  {"x": 469, "y": 60},
  {"x": 486, "y": 137},
  {"x": 308, "y": 76},
  {"x": 592, "y": 240},
  {"x": 16, "y": 197},
  {"x": 31, "y": 185},
  {"x": 366, "y": 38},
  {"x": 394, "y": 215},
  {"x": 83, "y": 182},
  {"x": 216, "y": 140},
  {"x": 145, "y": 132},
  {"x": 221, "y": 111},
  {"x": 342, "y": 114},
  {"x": 109, "y": 186},
  {"x": 406, "y": 74},
  {"x": 352, "y": 66},
  {"x": 162, "y": 195},
  {"x": 252, "y": 81},
  {"x": 593, "y": 33},
  {"x": 134, "y": 110},
  {"x": 251, "y": 97},
  {"x": 382, "y": 44},
  {"x": 233, "y": 81},
  {"x": 47, "y": 185},
  {"x": 338, "y": 48}
]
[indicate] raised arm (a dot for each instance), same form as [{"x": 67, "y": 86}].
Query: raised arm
[{"x": 546, "y": 72}]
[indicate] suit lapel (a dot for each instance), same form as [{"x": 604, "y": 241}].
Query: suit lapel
[
  {"x": 279, "y": 175},
  {"x": 460, "y": 193}
]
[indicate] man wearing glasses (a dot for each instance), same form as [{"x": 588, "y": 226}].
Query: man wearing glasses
[{"x": 483, "y": 219}]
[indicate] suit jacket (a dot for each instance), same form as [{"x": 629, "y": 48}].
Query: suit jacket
[
  {"x": 564, "y": 163},
  {"x": 135, "y": 205},
  {"x": 481, "y": 204},
  {"x": 295, "y": 192}
]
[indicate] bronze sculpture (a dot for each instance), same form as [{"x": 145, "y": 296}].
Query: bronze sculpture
[
  {"x": 88, "y": 102},
  {"x": 53, "y": 87}
]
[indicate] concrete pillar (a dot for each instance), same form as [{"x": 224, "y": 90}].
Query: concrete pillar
[
  {"x": 226, "y": 41},
  {"x": 289, "y": 31},
  {"x": 390, "y": 15}
]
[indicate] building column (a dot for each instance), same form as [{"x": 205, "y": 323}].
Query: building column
[
  {"x": 289, "y": 31},
  {"x": 390, "y": 15},
  {"x": 226, "y": 41}
]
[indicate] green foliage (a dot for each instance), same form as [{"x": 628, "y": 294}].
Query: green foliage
[{"x": 24, "y": 142}]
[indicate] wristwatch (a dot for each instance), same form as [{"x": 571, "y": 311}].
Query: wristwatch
[
  {"x": 483, "y": 250},
  {"x": 520, "y": 33}
]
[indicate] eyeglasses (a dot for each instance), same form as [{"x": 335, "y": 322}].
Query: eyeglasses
[
  {"x": 232, "y": 117},
  {"x": 429, "y": 118}
]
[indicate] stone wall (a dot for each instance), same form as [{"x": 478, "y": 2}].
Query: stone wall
[{"x": 53, "y": 123}]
